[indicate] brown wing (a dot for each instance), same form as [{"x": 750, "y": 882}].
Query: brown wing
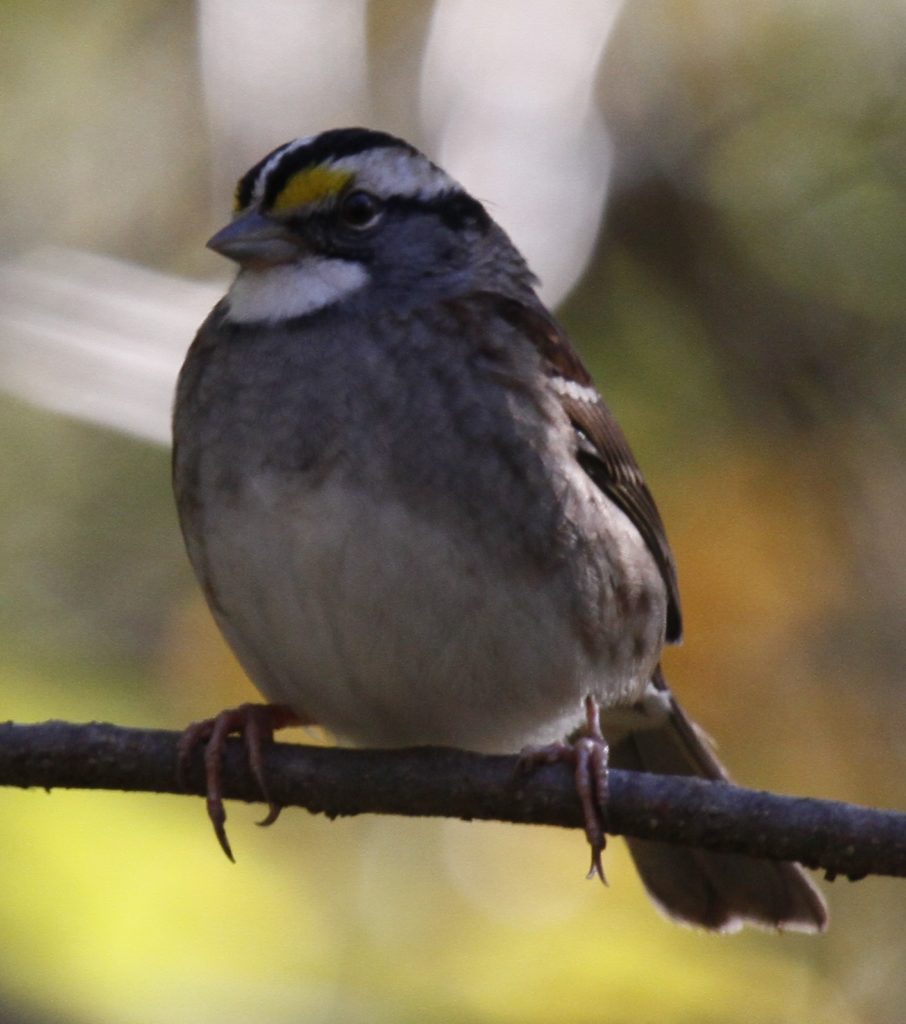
[{"x": 603, "y": 451}]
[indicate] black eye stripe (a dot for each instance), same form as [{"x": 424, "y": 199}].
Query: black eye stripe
[{"x": 457, "y": 210}]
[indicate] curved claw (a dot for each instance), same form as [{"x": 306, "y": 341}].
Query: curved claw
[
  {"x": 257, "y": 734},
  {"x": 589, "y": 756},
  {"x": 256, "y": 723},
  {"x": 271, "y": 816},
  {"x": 592, "y": 785},
  {"x": 217, "y": 814}
]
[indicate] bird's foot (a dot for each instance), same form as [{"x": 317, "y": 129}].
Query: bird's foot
[
  {"x": 588, "y": 753},
  {"x": 256, "y": 724}
]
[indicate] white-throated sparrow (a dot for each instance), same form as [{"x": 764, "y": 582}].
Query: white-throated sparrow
[{"x": 413, "y": 517}]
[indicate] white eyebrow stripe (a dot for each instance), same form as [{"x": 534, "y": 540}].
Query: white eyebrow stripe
[
  {"x": 574, "y": 390},
  {"x": 389, "y": 171},
  {"x": 264, "y": 173}
]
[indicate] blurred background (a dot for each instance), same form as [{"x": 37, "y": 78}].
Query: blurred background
[{"x": 715, "y": 198}]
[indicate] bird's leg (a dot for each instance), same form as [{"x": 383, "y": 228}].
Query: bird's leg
[
  {"x": 256, "y": 724},
  {"x": 588, "y": 753}
]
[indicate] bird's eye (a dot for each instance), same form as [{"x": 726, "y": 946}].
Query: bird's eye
[{"x": 361, "y": 210}]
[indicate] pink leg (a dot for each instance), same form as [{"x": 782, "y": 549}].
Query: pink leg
[
  {"x": 256, "y": 724},
  {"x": 589, "y": 756}
]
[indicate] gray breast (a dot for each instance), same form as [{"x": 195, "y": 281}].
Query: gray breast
[{"x": 396, "y": 539}]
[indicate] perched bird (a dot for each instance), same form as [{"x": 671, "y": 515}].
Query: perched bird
[{"x": 414, "y": 518}]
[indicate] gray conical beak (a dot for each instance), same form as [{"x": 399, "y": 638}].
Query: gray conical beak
[{"x": 253, "y": 239}]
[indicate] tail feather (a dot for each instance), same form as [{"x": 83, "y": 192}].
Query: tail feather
[{"x": 718, "y": 891}]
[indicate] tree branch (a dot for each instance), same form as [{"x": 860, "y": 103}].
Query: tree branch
[{"x": 843, "y": 839}]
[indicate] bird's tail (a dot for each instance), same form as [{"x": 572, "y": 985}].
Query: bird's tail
[{"x": 718, "y": 891}]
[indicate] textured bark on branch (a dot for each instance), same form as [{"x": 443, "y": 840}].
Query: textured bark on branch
[{"x": 842, "y": 839}]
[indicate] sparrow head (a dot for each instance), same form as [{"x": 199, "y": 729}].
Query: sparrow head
[{"x": 357, "y": 215}]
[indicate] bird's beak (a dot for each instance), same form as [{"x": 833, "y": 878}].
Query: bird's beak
[{"x": 253, "y": 239}]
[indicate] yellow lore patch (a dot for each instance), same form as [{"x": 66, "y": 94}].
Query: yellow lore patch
[{"x": 308, "y": 186}]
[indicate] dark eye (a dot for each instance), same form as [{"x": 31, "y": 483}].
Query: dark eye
[{"x": 361, "y": 210}]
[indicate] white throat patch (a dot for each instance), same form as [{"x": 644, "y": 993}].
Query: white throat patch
[{"x": 292, "y": 289}]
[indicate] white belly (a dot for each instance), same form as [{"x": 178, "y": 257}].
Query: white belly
[{"x": 389, "y": 631}]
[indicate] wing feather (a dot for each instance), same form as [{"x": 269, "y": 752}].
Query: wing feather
[{"x": 602, "y": 450}]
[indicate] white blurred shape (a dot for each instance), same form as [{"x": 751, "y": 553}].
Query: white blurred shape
[
  {"x": 508, "y": 93},
  {"x": 479, "y": 858},
  {"x": 274, "y": 70},
  {"x": 96, "y": 338}
]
